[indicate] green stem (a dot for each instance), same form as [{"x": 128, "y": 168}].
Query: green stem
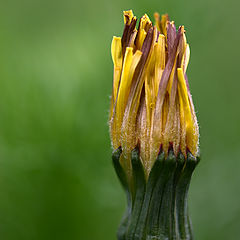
[{"x": 157, "y": 208}]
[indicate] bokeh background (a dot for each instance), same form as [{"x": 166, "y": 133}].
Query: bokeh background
[{"x": 56, "y": 176}]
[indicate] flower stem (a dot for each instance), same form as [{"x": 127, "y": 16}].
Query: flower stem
[{"x": 157, "y": 207}]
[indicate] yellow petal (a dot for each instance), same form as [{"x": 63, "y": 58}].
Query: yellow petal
[
  {"x": 187, "y": 121},
  {"x": 130, "y": 62}
]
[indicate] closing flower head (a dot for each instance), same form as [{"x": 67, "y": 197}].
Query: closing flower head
[{"x": 151, "y": 105}]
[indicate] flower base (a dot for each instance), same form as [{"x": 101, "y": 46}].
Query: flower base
[{"x": 157, "y": 207}]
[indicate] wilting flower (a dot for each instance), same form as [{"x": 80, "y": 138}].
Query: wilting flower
[{"x": 151, "y": 105}]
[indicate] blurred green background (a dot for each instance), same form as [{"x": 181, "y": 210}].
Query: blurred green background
[{"x": 56, "y": 177}]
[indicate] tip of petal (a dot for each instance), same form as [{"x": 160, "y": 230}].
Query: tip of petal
[{"x": 128, "y": 15}]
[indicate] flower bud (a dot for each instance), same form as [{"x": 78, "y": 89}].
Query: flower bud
[{"x": 151, "y": 104}]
